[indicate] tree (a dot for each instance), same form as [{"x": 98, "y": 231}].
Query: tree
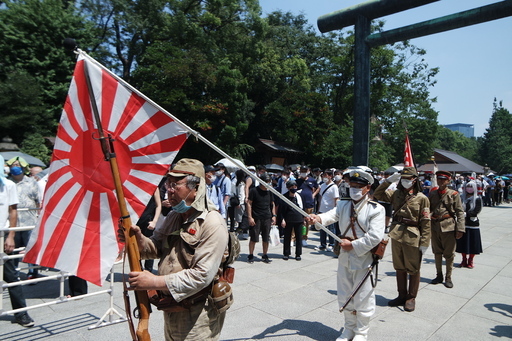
[
  {"x": 31, "y": 36},
  {"x": 456, "y": 142},
  {"x": 496, "y": 148}
]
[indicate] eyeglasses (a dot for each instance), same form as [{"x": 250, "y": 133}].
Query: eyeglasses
[{"x": 172, "y": 185}]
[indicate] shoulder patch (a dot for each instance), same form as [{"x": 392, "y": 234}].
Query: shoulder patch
[{"x": 455, "y": 193}]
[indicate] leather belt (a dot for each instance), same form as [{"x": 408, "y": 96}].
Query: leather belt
[
  {"x": 405, "y": 221},
  {"x": 441, "y": 218}
]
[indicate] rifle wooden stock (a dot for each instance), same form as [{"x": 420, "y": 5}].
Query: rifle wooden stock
[
  {"x": 133, "y": 254},
  {"x": 131, "y": 245}
]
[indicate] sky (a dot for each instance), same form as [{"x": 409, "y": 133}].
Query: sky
[{"x": 475, "y": 62}]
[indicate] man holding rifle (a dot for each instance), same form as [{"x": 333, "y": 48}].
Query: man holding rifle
[
  {"x": 361, "y": 223},
  {"x": 191, "y": 243}
]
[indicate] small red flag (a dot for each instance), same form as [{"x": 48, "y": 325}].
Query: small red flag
[{"x": 408, "y": 161}]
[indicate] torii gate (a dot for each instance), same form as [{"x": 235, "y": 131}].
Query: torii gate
[{"x": 361, "y": 16}]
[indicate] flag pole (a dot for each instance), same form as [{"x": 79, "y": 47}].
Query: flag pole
[
  {"x": 204, "y": 140},
  {"x": 131, "y": 246}
]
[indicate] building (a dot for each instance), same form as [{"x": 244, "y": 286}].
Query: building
[
  {"x": 467, "y": 130},
  {"x": 452, "y": 162}
]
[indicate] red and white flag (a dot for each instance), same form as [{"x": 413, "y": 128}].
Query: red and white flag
[
  {"x": 408, "y": 161},
  {"x": 76, "y": 231}
]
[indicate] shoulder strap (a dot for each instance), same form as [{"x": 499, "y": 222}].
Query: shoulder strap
[
  {"x": 325, "y": 190},
  {"x": 405, "y": 202}
]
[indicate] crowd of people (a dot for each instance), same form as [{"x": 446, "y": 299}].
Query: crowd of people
[{"x": 187, "y": 221}]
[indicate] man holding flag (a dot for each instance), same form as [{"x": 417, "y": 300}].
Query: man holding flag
[{"x": 191, "y": 243}]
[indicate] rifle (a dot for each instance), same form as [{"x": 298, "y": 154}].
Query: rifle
[
  {"x": 131, "y": 246},
  {"x": 375, "y": 263}
]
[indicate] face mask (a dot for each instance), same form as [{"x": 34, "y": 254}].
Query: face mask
[
  {"x": 337, "y": 177},
  {"x": 6, "y": 170},
  {"x": 356, "y": 194},
  {"x": 182, "y": 207},
  {"x": 303, "y": 175},
  {"x": 406, "y": 183},
  {"x": 219, "y": 173},
  {"x": 326, "y": 180},
  {"x": 469, "y": 190},
  {"x": 213, "y": 178},
  {"x": 293, "y": 190},
  {"x": 284, "y": 177}
]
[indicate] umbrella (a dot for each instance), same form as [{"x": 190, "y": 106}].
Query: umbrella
[
  {"x": 230, "y": 166},
  {"x": 274, "y": 167},
  {"x": 503, "y": 177},
  {"x": 33, "y": 161}
]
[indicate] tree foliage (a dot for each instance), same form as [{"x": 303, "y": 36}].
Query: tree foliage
[
  {"x": 34, "y": 67},
  {"x": 224, "y": 70},
  {"x": 496, "y": 147}
]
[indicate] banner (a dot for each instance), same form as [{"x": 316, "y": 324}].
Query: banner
[
  {"x": 408, "y": 161},
  {"x": 76, "y": 230}
]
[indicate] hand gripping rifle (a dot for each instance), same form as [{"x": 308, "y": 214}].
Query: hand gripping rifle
[
  {"x": 131, "y": 246},
  {"x": 374, "y": 264}
]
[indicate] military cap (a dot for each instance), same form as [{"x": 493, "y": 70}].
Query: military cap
[
  {"x": 443, "y": 174},
  {"x": 409, "y": 172},
  {"x": 361, "y": 177},
  {"x": 186, "y": 167}
]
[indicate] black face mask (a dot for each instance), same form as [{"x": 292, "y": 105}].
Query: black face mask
[{"x": 293, "y": 190}]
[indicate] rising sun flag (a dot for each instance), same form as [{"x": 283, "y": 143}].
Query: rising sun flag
[{"x": 76, "y": 231}]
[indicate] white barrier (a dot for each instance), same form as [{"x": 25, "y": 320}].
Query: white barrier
[{"x": 108, "y": 318}]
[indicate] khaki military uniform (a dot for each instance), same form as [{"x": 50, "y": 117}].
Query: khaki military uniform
[
  {"x": 190, "y": 255},
  {"x": 447, "y": 219},
  {"x": 409, "y": 233},
  {"x": 410, "y": 227}
]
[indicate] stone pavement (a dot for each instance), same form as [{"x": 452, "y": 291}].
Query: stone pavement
[{"x": 292, "y": 300}]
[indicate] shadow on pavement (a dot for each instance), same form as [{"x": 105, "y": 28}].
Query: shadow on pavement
[
  {"x": 43, "y": 331},
  {"x": 312, "y": 330}
]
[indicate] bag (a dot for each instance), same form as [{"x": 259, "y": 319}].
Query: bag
[
  {"x": 274, "y": 236},
  {"x": 234, "y": 201},
  {"x": 378, "y": 251}
]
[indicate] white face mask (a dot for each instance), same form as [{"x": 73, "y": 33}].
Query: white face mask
[
  {"x": 406, "y": 183},
  {"x": 326, "y": 180},
  {"x": 219, "y": 173},
  {"x": 337, "y": 178},
  {"x": 356, "y": 194},
  {"x": 284, "y": 177},
  {"x": 213, "y": 178},
  {"x": 303, "y": 175}
]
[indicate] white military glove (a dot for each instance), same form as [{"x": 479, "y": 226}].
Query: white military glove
[
  {"x": 423, "y": 249},
  {"x": 393, "y": 178}
]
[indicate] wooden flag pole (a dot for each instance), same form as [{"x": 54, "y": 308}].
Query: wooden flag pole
[{"x": 131, "y": 246}]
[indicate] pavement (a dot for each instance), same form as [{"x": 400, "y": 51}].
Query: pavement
[{"x": 296, "y": 300}]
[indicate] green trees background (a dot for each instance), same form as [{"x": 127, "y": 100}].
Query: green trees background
[{"x": 230, "y": 73}]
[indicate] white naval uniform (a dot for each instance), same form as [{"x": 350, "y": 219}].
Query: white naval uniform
[{"x": 353, "y": 264}]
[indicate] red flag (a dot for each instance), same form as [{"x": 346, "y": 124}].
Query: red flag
[
  {"x": 408, "y": 161},
  {"x": 76, "y": 231}
]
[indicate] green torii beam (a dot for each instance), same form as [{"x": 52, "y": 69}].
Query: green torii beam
[{"x": 361, "y": 15}]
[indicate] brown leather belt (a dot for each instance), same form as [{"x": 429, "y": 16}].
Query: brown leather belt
[
  {"x": 441, "y": 218},
  {"x": 405, "y": 221},
  {"x": 168, "y": 304}
]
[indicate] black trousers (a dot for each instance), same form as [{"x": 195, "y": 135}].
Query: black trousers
[{"x": 297, "y": 227}]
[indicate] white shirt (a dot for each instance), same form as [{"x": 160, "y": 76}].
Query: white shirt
[
  {"x": 8, "y": 197},
  {"x": 329, "y": 196}
]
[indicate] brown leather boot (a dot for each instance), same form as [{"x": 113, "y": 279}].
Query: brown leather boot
[
  {"x": 401, "y": 283},
  {"x": 438, "y": 279},
  {"x": 414, "y": 284}
]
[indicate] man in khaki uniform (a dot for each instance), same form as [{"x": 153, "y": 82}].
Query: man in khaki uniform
[
  {"x": 409, "y": 232},
  {"x": 191, "y": 243},
  {"x": 447, "y": 226}
]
